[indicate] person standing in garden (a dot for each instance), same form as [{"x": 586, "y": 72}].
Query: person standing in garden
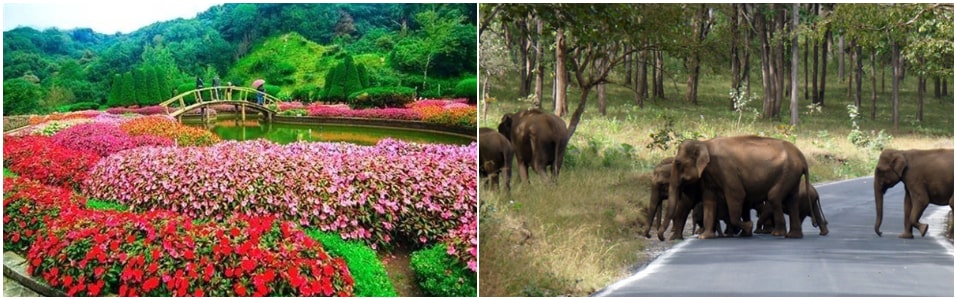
[
  {"x": 216, "y": 82},
  {"x": 260, "y": 93},
  {"x": 229, "y": 91},
  {"x": 199, "y": 85}
]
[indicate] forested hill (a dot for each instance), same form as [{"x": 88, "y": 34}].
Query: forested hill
[{"x": 415, "y": 42}]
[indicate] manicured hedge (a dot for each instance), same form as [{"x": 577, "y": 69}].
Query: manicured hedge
[
  {"x": 439, "y": 274},
  {"x": 467, "y": 88},
  {"x": 371, "y": 279},
  {"x": 78, "y": 106},
  {"x": 382, "y": 97}
]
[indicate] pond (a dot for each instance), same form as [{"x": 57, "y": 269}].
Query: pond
[{"x": 236, "y": 130}]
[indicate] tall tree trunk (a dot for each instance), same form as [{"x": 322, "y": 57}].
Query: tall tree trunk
[
  {"x": 921, "y": 85},
  {"x": 654, "y": 76},
  {"x": 524, "y": 84},
  {"x": 602, "y": 99},
  {"x": 840, "y": 60},
  {"x": 561, "y": 77},
  {"x": 895, "y": 82},
  {"x": 627, "y": 63},
  {"x": 746, "y": 70},
  {"x": 827, "y": 36},
  {"x": 779, "y": 68},
  {"x": 943, "y": 86},
  {"x": 641, "y": 83},
  {"x": 698, "y": 24},
  {"x": 850, "y": 81},
  {"x": 859, "y": 73},
  {"x": 539, "y": 66},
  {"x": 873, "y": 85},
  {"x": 660, "y": 71},
  {"x": 767, "y": 77},
  {"x": 794, "y": 65},
  {"x": 807, "y": 49},
  {"x": 814, "y": 58},
  {"x": 937, "y": 87},
  {"x": 735, "y": 59}
]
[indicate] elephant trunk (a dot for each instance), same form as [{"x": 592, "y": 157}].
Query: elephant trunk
[
  {"x": 879, "y": 204},
  {"x": 654, "y": 208}
]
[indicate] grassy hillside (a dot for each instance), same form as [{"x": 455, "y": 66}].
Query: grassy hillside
[
  {"x": 584, "y": 234},
  {"x": 291, "y": 61}
]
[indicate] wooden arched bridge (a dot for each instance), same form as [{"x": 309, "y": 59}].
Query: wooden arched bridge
[{"x": 177, "y": 106}]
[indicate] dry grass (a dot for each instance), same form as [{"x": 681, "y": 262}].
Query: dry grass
[{"x": 583, "y": 234}]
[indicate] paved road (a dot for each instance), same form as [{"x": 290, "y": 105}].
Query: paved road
[{"x": 850, "y": 261}]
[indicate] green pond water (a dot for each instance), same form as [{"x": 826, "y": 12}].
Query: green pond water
[{"x": 234, "y": 129}]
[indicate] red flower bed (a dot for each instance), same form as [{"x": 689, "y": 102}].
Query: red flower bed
[
  {"x": 161, "y": 253},
  {"x": 39, "y": 158},
  {"x": 27, "y": 207}
]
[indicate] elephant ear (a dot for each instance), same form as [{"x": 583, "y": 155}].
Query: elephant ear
[
  {"x": 505, "y": 127},
  {"x": 898, "y": 163},
  {"x": 704, "y": 157}
]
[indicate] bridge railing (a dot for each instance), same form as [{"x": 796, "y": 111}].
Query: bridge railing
[{"x": 226, "y": 93}]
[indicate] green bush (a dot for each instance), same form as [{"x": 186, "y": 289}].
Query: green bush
[
  {"x": 466, "y": 88},
  {"x": 431, "y": 87},
  {"x": 439, "y": 274},
  {"x": 96, "y": 204},
  {"x": 78, "y": 106},
  {"x": 381, "y": 97},
  {"x": 305, "y": 93},
  {"x": 371, "y": 279}
]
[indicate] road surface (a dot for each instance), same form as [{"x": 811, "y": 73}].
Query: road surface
[{"x": 850, "y": 261}]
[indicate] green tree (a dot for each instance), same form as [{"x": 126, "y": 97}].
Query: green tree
[
  {"x": 344, "y": 82},
  {"x": 128, "y": 90},
  {"x": 116, "y": 91},
  {"x": 20, "y": 96}
]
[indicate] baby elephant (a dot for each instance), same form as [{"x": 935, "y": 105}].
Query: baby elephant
[
  {"x": 765, "y": 223},
  {"x": 495, "y": 157}
]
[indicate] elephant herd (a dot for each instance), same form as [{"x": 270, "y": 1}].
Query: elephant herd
[{"x": 724, "y": 178}]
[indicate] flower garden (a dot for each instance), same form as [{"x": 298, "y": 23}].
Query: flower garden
[{"x": 122, "y": 203}]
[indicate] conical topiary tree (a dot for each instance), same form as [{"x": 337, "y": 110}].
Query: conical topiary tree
[
  {"x": 343, "y": 81},
  {"x": 114, "y": 98}
]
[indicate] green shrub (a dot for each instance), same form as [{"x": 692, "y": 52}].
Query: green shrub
[
  {"x": 78, "y": 106},
  {"x": 439, "y": 274},
  {"x": 8, "y": 174},
  {"x": 20, "y": 97},
  {"x": 466, "y": 88},
  {"x": 298, "y": 112},
  {"x": 371, "y": 279},
  {"x": 381, "y": 97},
  {"x": 96, "y": 204},
  {"x": 305, "y": 93}
]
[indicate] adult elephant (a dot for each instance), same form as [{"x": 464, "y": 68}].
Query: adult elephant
[
  {"x": 806, "y": 209},
  {"x": 743, "y": 171},
  {"x": 690, "y": 196},
  {"x": 538, "y": 139},
  {"x": 928, "y": 177},
  {"x": 495, "y": 158}
]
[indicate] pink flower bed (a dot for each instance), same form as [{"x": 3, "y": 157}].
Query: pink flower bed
[
  {"x": 146, "y": 110},
  {"x": 374, "y": 113},
  {"x": 374, "y": 193},
  {"x": 104, "y": 139}
]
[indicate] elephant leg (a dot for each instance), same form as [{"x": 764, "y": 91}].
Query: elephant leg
[
  {"x": 764, "y": 217},
  {"x": 908, "y": 225},
  {"x": 775, "y": 199},
  {"x": 493, "y": 181},
  {"x": 918, "y": 211},
  {"x": 735, "y": 210},
  {"x": 796, "y": 220},
  {"x": 506, "y": 174},
  {"x": 682, "y": 209},
  {"x": 522, "y": 170},
  {"x": 710, "y": 210}
]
